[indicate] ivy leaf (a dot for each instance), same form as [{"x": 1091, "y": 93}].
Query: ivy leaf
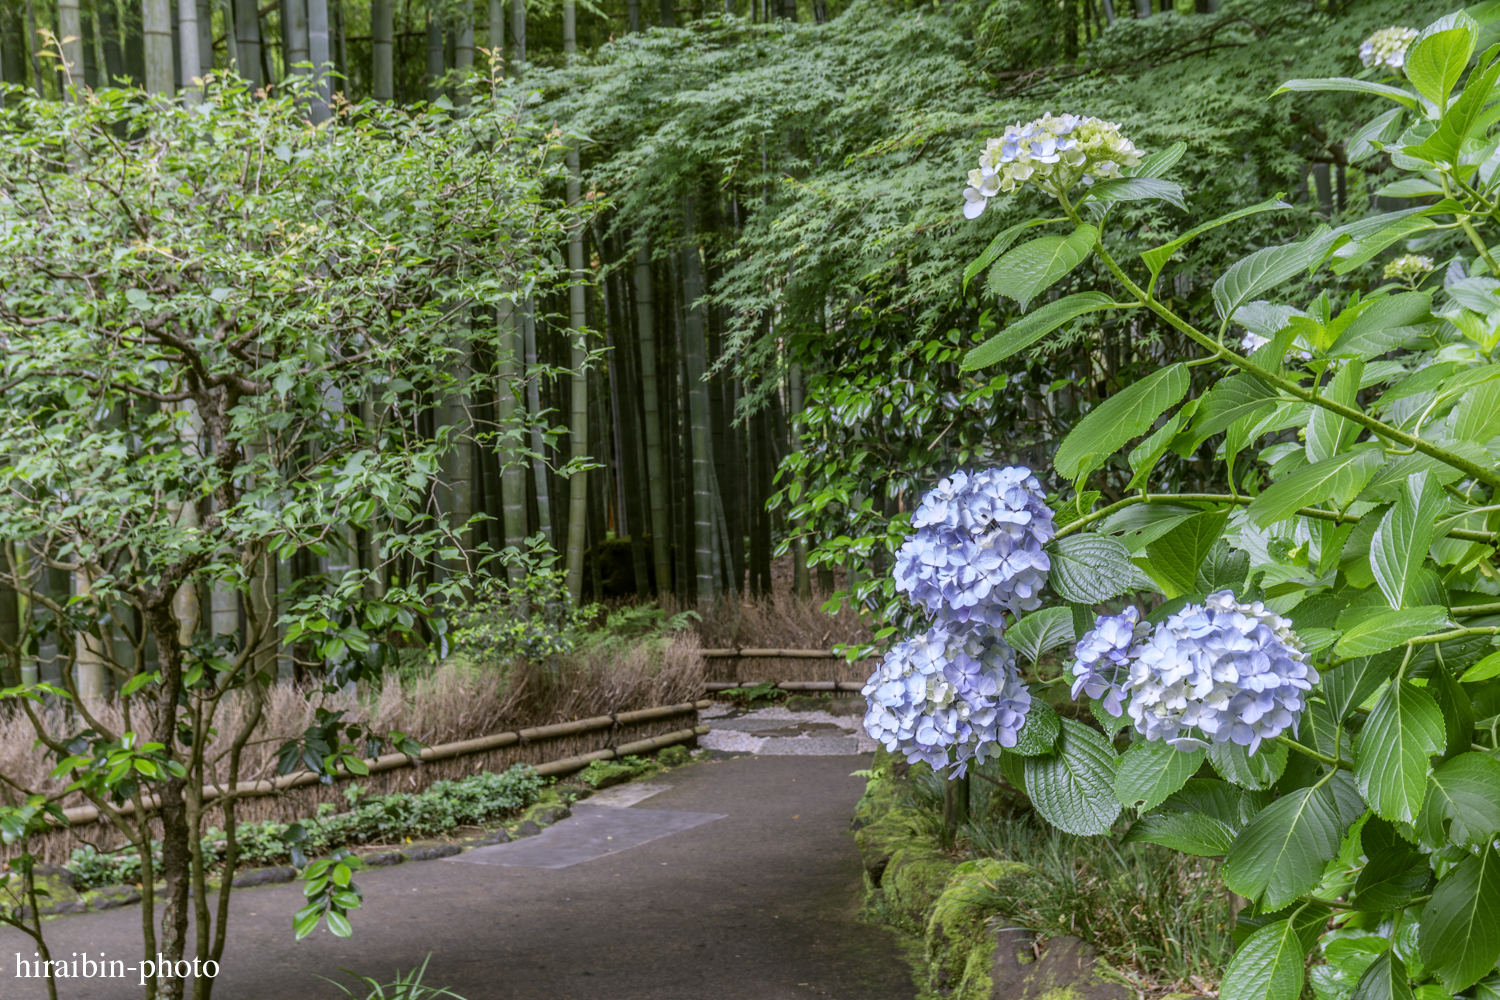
[
  {"x": 1370, "y": 632},
  {"x": 1174, "y": 559},
  {"x": 1027, "y": 330},
  {"x": 1032, "y": 268},
  {"x": 1280, "y": 854},
  {"x": 1459, "y": 937},
  {"x": 1073, "y": 787},
  {"x": 1089, "y": 568},
  {"x": 1268, "y": 966},
  {"x": 1125, "y": 415},
  {"x": 1392, "y": 751},
  {"x": 1151, "y": 770}
]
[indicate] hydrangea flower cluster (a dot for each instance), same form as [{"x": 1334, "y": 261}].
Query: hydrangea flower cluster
[
  {"x": 951, "y": 688},
  {"x": 1235, "y": 673},
  {"x": 1387, "y": 47},
  {"x": 1053, "y": 153},
  {"x": 1410, "y": 268},
  {"x": 1101, "y": 659},
  {"x": 978, "y": 547}
]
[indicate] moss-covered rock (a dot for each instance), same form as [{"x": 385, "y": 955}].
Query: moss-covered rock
[
  {"x": 959, "y": 943},
  {"x": 911, "y": 884}
]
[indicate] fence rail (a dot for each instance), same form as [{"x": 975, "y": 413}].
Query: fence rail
[{"x": 788, "y": 685}]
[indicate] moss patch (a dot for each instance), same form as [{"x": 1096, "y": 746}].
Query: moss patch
[{"x": 959, "y": 945}]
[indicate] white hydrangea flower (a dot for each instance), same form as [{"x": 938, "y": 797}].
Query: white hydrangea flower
[
  {"x": 947, "y": 696},
  {"x": 1387, "y": 47},
  {"x": 1234, "y": 673},
  {"x": 1410, "y": 268},
  {"x": 1053, "y": 153}
]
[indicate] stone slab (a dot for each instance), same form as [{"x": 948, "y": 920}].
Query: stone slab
[
  {"x": 623, "y": 796},
  {"x": 593, "y": 832}
]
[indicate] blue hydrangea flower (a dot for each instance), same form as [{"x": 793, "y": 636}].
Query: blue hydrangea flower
[
  {"x": 1102, "y": 657},
  {"x": 978, "y": 546},
  {"x": 947, "y": 696},
  {"x": 1053, "y": 152},
  {"x": 1234, "y": 673}
]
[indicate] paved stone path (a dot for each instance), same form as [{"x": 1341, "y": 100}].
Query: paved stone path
[{"x": 757, "y": 905}]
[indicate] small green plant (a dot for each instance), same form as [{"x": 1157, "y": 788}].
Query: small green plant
[
  {"x": 674, "y": 756},
  {"x": 603, "y": 773},
  {"x": 406, "y": 986},
  {"x": 746, "y": 697},
  {"x": 535, "y": 619}
]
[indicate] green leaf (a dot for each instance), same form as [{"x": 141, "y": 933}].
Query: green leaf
[
  {"x": 1229, "y": 400},
  {"x": 1392, "y": 751},
  {"x": 1039, "y": 733},
  {"x": 1384, "y": 326},
  {"x": 1464, "y": 792},
  {"x": 1138, "y": 189},
  {"x": 1438, "y": 56},
  {"x": 1268, "y": 966},
  {"x": 339, "y": 924},
  {"x": 1346, "y": 83},
  {"x": 1188, "y": 832},
  {"x": 1073, "y": 787},
  {"x": 1383, "y": 128},
  {"x": 1391, "y": 878},
  {"x": 1032, "y": 268},
  {"x": 1174, "y": 559},
  {"x": 1346, "y": 686},
  {"x": 1157, "y": 257},
  {"x": 1328, "y": 433},
  {"x": 1460, "y": 121},
  {"x": 1280, "y": 854},
  {"x": 1483, "y": 670},
  {"x": 1385, "y": 979},
  {"x": 1353, "y": 255},
  {"x": 1158, "y": 163},
  {"x": 1040, "y": 631},
  {"x": 1400, "y": 544},
  {"x": 1459, "y": 937},
  {"x": 1089, "y": 568},
  {"x": 1334, "y": 480},
  {"x": 1127, "y": 414},
  {"x": 1027, "y": 330},
  {"x": 998, "y": 246},
  {"x": 1148, "y": 771},
  {"x": 1266, "y": 268},
  {"x": 1236, "y": 764},
  {"x": 1374, "y": 632}
]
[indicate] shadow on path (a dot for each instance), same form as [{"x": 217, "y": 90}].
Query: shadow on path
[{"x": 759, "y": 905}]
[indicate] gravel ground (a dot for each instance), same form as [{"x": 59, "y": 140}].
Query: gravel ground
[{"x": 775, "y": 731}]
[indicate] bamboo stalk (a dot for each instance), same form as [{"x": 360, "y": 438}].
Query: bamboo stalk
[
  {"x": 82, "y": 815},
  {"x": 570, "y": 764}
]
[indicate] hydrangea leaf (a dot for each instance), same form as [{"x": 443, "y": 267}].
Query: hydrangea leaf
[
  {"x": 1249, "y": 276},
  {"x": 998, "y": 246},
  {"x": 1385, "y": 979},
  {"x": 1039, "y": 734},
  {"x": 1465, "y": 116},
  {"x": 1229, "y": 400},
  {"x": 1465, "y": 791},
  {"x": 1041, "y": 631},
  {"x": 1328, "y": 433},
  {"x": 1280, "y": 854},
  {"x": 1157, "y": 257},
  {"x": 1399, "y": 546},
  {"x": 1335, "y": 480},
  {"x": 1022, "y": 333},
  {"x": 1391, "y": 879},
  {"x": 1383, "y": 128},
  {"x": 1151, "y": 770},
  {"x": 1354, "y": 255},
  {"x": 1138, "y": 189},
  {"x": 1190, "y": 833},
  {"x": 1368, "y": 631},
  {"x": 1253, "y": 771},
  {"x": 1032, "y": 268},
  {"x": 1268, "y": 966},
  {"x": 1459, "y": 937},
  {"x": 1073, "y": 787},
  {"x": 1174, "y": 559},
  {"x": 1483, "y": 670},
  {"x": 1349, "y": 84},
  {"x": 1224, "y": 568},
  {"x": 1402, "y": 733},
  {"x": 1439, "y": 55},
  {"x": 1089, "y": 568},
  {"x": 1127, "y": 414}
]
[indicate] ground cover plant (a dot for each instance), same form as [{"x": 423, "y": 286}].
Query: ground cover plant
[{"x": 1312, "y": 696}]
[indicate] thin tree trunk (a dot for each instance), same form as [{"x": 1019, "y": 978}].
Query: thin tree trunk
[
  {"x": 801, "y": 583},
  {"x": 518, "y": 34},
  {"x": 382, "y": 66},
  {"x": 512, "y": 469},
  {"x": 33, "y": 47},
  {"x": 187, "y": 25},
  {"x": 340, "y": 55},
  {"x": 668, "y": 16},
  {"x": 695, "y": 356},
  {"x": 496, "y": 39},
  {"x": 156, "y": 29},
  {"x": 319, "y": 54},
  {"x": 70, "y": 35},
  {"x": 205, "y": 38},
  {"x": 247, "y": 38},
  {"x": 109, "y": 41},
  {"x": 538, "y": 442},
  {"x": 655, "y": 483},
  {"x": 295, "y": 32},
  {"x": 624, "y": 382},
  {"x": 463, "y": 49},
  {"x": 634, "y": 9},
  {"x": 578, "y": 425},
  {"x": 434, "y": 58}
]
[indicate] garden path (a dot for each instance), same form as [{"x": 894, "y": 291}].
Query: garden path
[{"x": 757, "y": 905}]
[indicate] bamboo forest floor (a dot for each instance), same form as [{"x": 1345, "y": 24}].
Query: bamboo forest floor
[{"x": 747, "y": 887}]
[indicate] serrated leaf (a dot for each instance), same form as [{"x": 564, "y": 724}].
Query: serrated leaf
[
  {"x": 1230, "y": 399},
  {"x": 1370, "y": 632},
  {"x": 1174, "y": 559},
  {"x": 1383, "y": 128},
  {"x": 1138, "y": 189},
  {"x": 1190, "y": 833},
  {"x": 1385, "y": 979},
  {"x": 1157, "y": 257},
  {"x": 1328, "y": 433},
  {"x": 1039, "y": 733},
  {"x": 1032, "y": 268},
  {"x": 1400, "y": 544},
  {"x": 1073, "y": 787},
  {"x": 1391, "y": 879},
  {"x": 1464, "y": 792},
  {"x": 1268, "y": 966},
  {"x": 1127, "y": 414},
  {"x": 1253, "y": 771},
  {"x": 1346, "y": 686},
  {"x": 1349, "y": 84},
  {"x": 1392, "y": 751},
  {"x": 1041, "y": 631},
  {"x": 1459, "y": 936},
  {"x": 1249, "y": 276},
  {"x": 1335, "y": 480},
  {"x": 998, "y": 246},
  {"x": 1438, "y": 56},
  {"x": 1022, "y": 333},
  {"x": 1089, "y": 568},
  {"x": 1280, "y": 854},
  {"x": 1150, "y": 770},
  {"x": 1354, "y": 255},
  {"x": 1459, "y": 121}
]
